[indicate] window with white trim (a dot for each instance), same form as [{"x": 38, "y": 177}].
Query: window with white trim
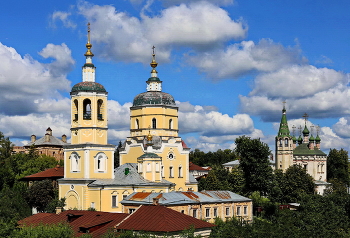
[
  {"x": 194, "y": 213},
  {"x": 114, "y": 200},
  {"x": 207, "y": 212},
  {"x": 100, "y": 162},
  {"x": 245, "y": 210},
  {"x": 180, "y": 171},
  {"x": 227, "y": 211},
  {"x": 215, "y": 211},
  {"x": 171, "y": 172},
  {"x": 238, "y": 211},
  {"x": 75, "y": 162}
]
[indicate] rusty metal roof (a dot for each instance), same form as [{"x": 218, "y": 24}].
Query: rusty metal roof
[{"x": 178, "y": 198}]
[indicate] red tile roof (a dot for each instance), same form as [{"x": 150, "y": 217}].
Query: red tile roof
[
  {"x": 196, "y": 167},
  {"x": 97, "y": 223},
  {"x": 53, "y": 173},
  {"x": 152, "y": 218}
]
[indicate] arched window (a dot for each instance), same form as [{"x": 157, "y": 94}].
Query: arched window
[
  {"x": 180, "y": 172},
  {"x": 74, "y": 162},
  {"x": 100, "y": 162},
  {"x": 154, "y": 123},
  {"x": 100, "y": 109},
  {"x": 286, "y": 142},
  {"x": 87, "y": 109},
  {"x": 280, "y": 142},
  {"x": 171, "y": 124},
  {"x": 75, "y": 110},
  {"x": 137, "y": 124}
]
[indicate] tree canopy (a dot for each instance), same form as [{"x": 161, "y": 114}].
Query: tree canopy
[{"x": 255, "y": 164}]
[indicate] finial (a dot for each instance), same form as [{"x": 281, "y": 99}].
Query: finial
[
  {"x": 149, "y": 136},
  {"x": 293, "y": 130},
  {"x": 312, "y": 129},
  {"x": 154, "y": 62},
  {"x": 318, "y": 129},
  {"x": 300, "y": 129},
  {"x": 88, "y": 44},
  {"x": 306, "y": 116}
]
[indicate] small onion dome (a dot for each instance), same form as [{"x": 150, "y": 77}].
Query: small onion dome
[
  {"x": 153, "y": 98},
  {"x": 306, "y": 131},
  {"x": 294, "y": 139},
  {"x": 300, "y": 140},
  {"x": 312, "y": 138},
  {"x": 88, "y": 87},
  {"x": 318, "y": 139}
]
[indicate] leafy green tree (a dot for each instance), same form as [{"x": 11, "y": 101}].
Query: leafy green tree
[
  {"x": 40, "y": 194},
  {"x": 294, "y": 183},
  {"x": 338, "y": 166},
  {"x": 60, "y": 230},
  {"x": 255, "y": 164}
]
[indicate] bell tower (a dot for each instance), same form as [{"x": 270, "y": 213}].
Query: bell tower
[
  {"x": 284, "y": 144},
  {"x": 89, "y": 156},
  {"x": 89, "y": 105}
]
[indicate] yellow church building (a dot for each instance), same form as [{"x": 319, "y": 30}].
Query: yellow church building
[{"x": 153, "y": 159}]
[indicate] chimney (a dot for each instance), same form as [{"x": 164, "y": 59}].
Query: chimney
[
  {"x": 64, "y": 138},
  {"x": 47, "y": 137},
  {"x": 156, "y": 201},
  {"x": 59, "y": 210},
  {"x": 33, "y": 138},
  {"x": 49, "y": 131}
]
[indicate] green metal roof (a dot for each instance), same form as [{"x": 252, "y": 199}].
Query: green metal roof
[
  {"x": 153, "y": 98},
  {"x": 303, "y": 150},
  {"x": 312, "y": 138},
  {"x": 284, "y": 129},
  {"x": 150, "y": 155},
  {"x": 88, "y": 86},
  {"x": 154, "y": 79}
]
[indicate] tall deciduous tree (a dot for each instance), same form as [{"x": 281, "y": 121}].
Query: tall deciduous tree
[
  {"x": 255, "y": 164},
  {"x": 40, "y": 194},
  {"x": 337, "y": 166}
]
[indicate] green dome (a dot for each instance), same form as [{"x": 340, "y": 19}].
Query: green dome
[
  {"x": 294, "y": 139},
  {"x": 153, "y": 98},
  {"x": 306, "y": 131},
  {"x": 88, "y": 87},
  {"x": 318, "y": 139},
  {"x": 300, "y": 140},
  {"x": 312, "y": 138}
]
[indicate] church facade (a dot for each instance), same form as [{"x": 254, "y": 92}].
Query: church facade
[
  {"x": 304, "y": 151},
  {"x": 153, "y": 159}
]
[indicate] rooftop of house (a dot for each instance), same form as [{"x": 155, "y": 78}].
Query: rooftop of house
[
  {"x": 196, "y": 167},
  {"x": 146, "y": 218},
  {"x": 92, "y": 222},
  {"x": 53, "y": 173},
  {"x": 180, "y": 198},
  {"x": 152, "y": 218},
  {"x": 231, "y": 163}
]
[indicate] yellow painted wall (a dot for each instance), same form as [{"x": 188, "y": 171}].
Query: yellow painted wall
[{"x": 201, "y": 210}]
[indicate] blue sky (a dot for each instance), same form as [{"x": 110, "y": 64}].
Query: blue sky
[{"x": 228, "y": 64}]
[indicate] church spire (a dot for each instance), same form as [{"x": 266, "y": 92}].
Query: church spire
[
  {"x": 284, "y": 129},
  {"x": 154, "y": 83},
  {"x": 88, "y": 68},
  {"x": 88, "y": 44}
]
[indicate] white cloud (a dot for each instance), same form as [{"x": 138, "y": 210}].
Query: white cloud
[
  {"x": 25, "y": 126},
  {"x": 342, "y": 127},
  {"x": 298, "y": 81},
  {"x": 64, "y": 17},
  {"x": 125, "y": 37},
  {"x": 119, "y": 115},
  {"x": 175, "y": 2},
  {"x": 211, "y": 123},
  {"x": 24, "y": 82},
  {"x": 245, "y": 57}
]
